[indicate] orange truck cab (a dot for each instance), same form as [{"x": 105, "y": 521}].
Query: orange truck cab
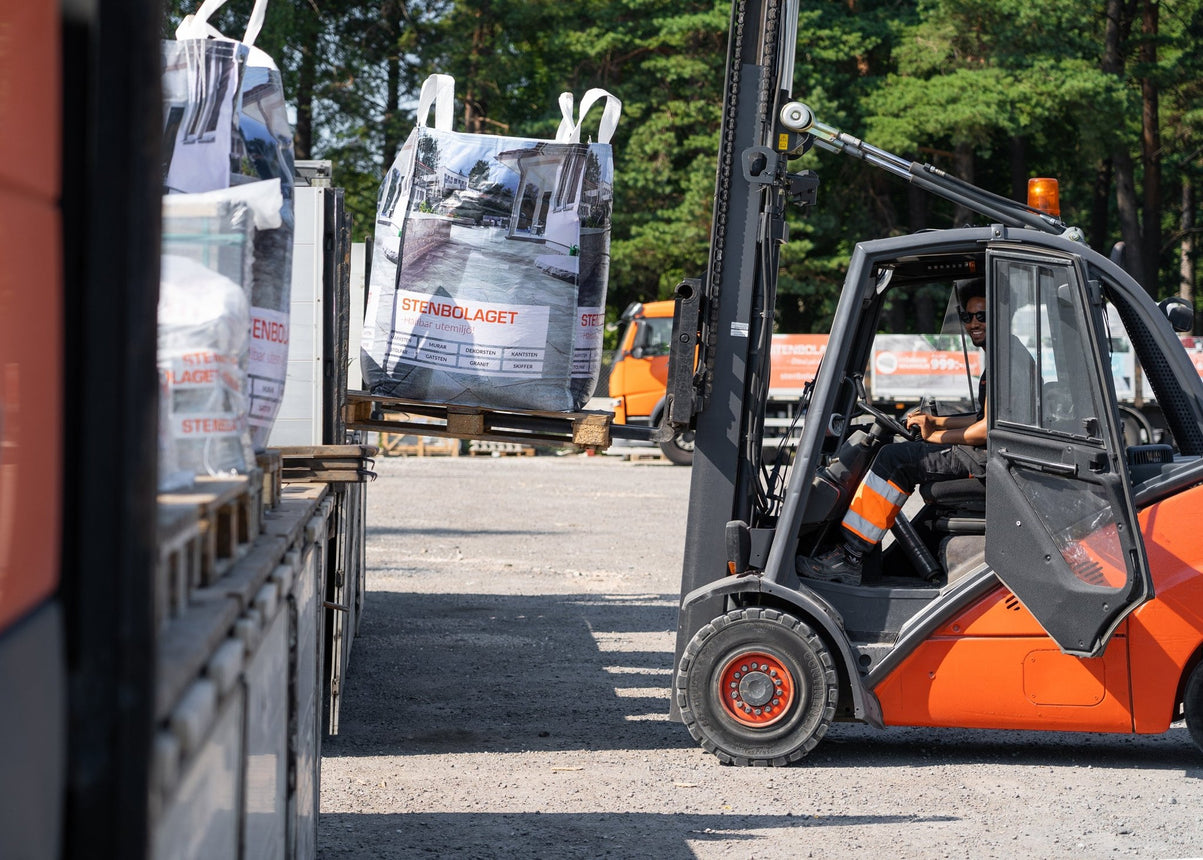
[{"x": 639, "y": 372}]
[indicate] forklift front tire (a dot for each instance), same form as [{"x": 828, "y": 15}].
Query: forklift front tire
[
  {"x": 757, "y": 687},
  {"x": 1192, "y": 701}
]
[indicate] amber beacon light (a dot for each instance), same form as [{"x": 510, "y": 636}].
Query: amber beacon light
[{"x": 1043, "y": 195}]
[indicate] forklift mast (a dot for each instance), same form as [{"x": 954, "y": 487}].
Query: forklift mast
[
  {"x": 719, "y": 361},
  {"x": 727, "y": 315}
]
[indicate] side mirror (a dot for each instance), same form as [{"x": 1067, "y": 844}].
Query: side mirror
[
  {"x": 636, "y": 352},
  {"x": 1179, "y": 312}
]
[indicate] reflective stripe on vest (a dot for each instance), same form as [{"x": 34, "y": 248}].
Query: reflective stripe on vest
[{"x": 874, "y": 508}]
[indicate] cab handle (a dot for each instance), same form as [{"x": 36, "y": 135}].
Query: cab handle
[{"x": 1068, "y": 470}]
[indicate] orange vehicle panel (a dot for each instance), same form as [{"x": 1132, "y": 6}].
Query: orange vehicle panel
[
  {"x": 29, "y": 99},
  {"x": 30, "y": 405},
  {"x": 30, "y": 307},
  {"x": 645, "y": 380},
  {"x": 639, "y": 382},
  {"x": 998, "y": 613},
  {"x": 1008, "y": 683},
  {"x": 1166, "y": 634},
  {"x": 795, "y": 360}
]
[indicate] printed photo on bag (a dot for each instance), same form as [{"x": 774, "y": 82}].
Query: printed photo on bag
[{"x": 489, "y": 272}]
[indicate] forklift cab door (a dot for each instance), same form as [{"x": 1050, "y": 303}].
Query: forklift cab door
[{"x": 1061, "y": 530}]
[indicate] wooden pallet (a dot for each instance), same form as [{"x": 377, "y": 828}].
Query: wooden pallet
[
  {"x": 645, "y": 454},
  {"x": 271, "y": 463},
  {"x": 330, "y": 464},
  {"x": 483, "y": 448},
  {"x": 201, "y": 534},
  {"x": 586, "y": 430},
  {"x": 403, "y": 445}
]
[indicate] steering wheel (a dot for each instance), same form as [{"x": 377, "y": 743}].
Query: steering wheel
[{"x": 886, "y": 422}]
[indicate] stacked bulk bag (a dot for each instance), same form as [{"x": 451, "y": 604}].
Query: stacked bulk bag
[{"x": 226, "y": 128}]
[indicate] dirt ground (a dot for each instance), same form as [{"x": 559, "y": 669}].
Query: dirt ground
[{"x": 508, "y": 697}]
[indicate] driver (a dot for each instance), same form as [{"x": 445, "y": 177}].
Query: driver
[{"x": 952, "y": 446}]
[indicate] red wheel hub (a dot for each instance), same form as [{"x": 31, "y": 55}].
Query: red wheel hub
[{"x": 756, "y": 689}]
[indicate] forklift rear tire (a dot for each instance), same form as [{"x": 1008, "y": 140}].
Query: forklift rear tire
[
  {"x": 1192, "y": 701},
  {"x": 757, "y": 687}
]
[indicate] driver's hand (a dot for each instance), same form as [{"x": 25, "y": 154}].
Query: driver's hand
[{"x": 923, "y": 421}]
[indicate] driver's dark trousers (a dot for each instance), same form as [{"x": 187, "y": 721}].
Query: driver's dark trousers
[{"x": 898, "y": 468}]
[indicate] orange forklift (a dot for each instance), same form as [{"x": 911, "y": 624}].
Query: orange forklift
[{"x": 1062, "y": 592}]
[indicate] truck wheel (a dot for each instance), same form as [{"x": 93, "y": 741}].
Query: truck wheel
[
  {"x": 1192, "y": 701},
  {"x": 757, "y": 687},
  {"x": 1137, "y": 429},
  {"x": 679, "y": 449}
]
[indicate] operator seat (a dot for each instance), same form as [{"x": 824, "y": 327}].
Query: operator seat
[
  {"x": 958, "y": 506},
  {"x": 958, "y": 521}
]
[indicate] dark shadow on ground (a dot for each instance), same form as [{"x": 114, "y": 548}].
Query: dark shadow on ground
[
  {"x": 477, "y": 673},
  {"x": 490, "y": 673},
  {"x": 664, "y": 837},
  {"x": 453, "y": 532},
  {"x": 857, "y": 744}
]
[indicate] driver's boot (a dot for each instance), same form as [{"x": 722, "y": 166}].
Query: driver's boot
[{"x": 841, "y": 563}]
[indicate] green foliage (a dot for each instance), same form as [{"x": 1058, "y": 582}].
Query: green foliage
[{"x": 985, "y": 86}]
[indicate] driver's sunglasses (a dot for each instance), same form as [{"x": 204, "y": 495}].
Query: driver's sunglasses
[{"x": 966, "y": 316}]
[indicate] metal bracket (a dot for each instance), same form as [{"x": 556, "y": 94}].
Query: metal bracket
[
  {"x": 759, "y": 165},
  {"x": 683, "y": 354}
]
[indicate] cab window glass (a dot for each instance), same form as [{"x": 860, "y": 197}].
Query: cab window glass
[
  {"x": 655, "y": 335},
  {"x": 1045, "y": 349},
  {"x": 1082, "y": 523}
]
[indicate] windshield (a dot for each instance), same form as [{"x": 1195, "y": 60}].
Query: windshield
[{"x": 655, "y": 335}]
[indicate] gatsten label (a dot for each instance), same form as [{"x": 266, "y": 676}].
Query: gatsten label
[{"x": 267, "y": 364}]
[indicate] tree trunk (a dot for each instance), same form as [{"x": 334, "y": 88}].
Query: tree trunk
[
  {"x": 1129, "y": 218},
  {"x": 1150, "y": 150},
  {"x": 1019, "y": 168},
  {"x": 1100, "y": 206},
  {"x": 1115, "y": 35},
  {"x": 964, "y": 169},
  {"x": 918, "y": 208},
  {"x": 474, "y": 110},
  {"x": 302, "y": 137},
  {"x": 1186, "y": 264},
  {"x": 392, "y": 14},
  {"x": 392, "y": 104}
]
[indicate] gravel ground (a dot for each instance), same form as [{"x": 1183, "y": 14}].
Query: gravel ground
[{"x": 508, "y": 697}]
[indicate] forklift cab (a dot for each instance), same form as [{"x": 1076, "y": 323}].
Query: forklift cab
[
  {"x": 980, "y": 607},
  {"x": 1057, "y": 495}
]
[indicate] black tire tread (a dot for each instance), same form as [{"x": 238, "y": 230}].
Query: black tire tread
[
  {"x": 798, "y": 628},
  {"x": 1192, "y": 703}
]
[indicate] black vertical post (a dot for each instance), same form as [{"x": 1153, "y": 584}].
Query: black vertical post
[
  {"x": 336, "y": 297},
  {"x": 112, "y": 122}
]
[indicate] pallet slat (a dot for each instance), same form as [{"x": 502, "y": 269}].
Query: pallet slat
[
  {"x": 228, "y": 515},
  {"x": 203, "y": 532},
  {"x": 270, "y": 462},
  {"x": 477, "y": 448},
  {"x": 328, "y": 463},
  {"x": 401, "y": 445},
  {"x": 586, "y": 430}
]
